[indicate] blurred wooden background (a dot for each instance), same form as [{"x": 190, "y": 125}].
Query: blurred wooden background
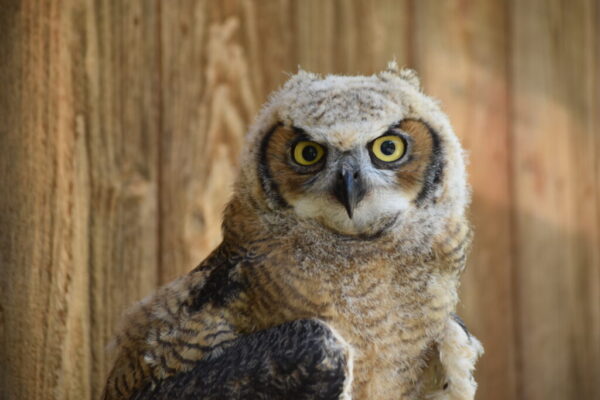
[{"x": 121, "y": 124}]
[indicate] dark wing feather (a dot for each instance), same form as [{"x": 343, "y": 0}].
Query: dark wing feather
[{"x": 296, "y": 360}]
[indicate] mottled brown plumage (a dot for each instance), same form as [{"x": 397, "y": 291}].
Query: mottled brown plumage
[{"x": 376, "y": 256}]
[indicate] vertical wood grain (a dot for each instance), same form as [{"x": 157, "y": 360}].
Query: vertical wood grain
[
  {"x": 344, "y": 37},
  {"x": 461, "y": 53},
  {"x": 204, "y": 121},
  {"x": 44, "y": 315},
  {"x": 555, "y": 133},
  {"x": 79, "y": 189},
  {"x": 121, "y": 117}
]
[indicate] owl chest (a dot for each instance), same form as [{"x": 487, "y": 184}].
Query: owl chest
[
  {"x": 392, "y": 331},
  {"x": 389, "y": 319}
]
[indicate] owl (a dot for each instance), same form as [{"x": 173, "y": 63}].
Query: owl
[{"x": 337, "y": 276}]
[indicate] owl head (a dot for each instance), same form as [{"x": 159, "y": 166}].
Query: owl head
[{"x": 353, "y": 155}]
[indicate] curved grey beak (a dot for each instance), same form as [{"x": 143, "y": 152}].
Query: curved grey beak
[{"x": 349, "y": 188}]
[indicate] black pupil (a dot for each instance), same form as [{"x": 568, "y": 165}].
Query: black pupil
[
  {"x": 388, "y": 147},
  {"x": 309, "y": 153}
]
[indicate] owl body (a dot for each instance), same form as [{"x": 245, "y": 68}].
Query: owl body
[
  {"x": 349, "y": 210},
  {"x": 390, "y": 306}
]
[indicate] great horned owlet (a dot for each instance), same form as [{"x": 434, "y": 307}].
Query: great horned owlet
[{"x": 337, "y": 276}]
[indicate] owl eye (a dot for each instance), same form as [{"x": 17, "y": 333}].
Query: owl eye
[
  {"x": 388, "y": 148},
  {"x": 307, "y": 153}
]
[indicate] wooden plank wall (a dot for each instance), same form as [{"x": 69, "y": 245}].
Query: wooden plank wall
[{"x": 121, "y": 125}]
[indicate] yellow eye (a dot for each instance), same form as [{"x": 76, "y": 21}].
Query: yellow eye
[
  {"x": 307, "y": 153},
  {"x": 388, "y": 148}
]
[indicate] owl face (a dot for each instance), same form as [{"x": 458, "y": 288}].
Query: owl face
[
  {"x": 352, "y": 182},
  {"x": 357, "y": 155}
]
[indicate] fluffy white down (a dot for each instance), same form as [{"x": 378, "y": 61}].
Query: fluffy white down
[
  {"x": 376, "y": 206},
  {"x": 458, "y": 354}
]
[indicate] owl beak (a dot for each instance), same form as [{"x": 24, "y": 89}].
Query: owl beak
[{"x": 349, "y": 188}]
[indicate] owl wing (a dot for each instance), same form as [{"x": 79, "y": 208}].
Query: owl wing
[
  {"x": 303, "y": 359},
  {"x": 183, "y": 340},
  {"x": 183, "y": 322}
]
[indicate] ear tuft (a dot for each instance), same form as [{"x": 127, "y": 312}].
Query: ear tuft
[
  {"x": 407, "y": 74},
  {"x": 410, "y": 75},
  {"x": 393, "y": 68}
]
